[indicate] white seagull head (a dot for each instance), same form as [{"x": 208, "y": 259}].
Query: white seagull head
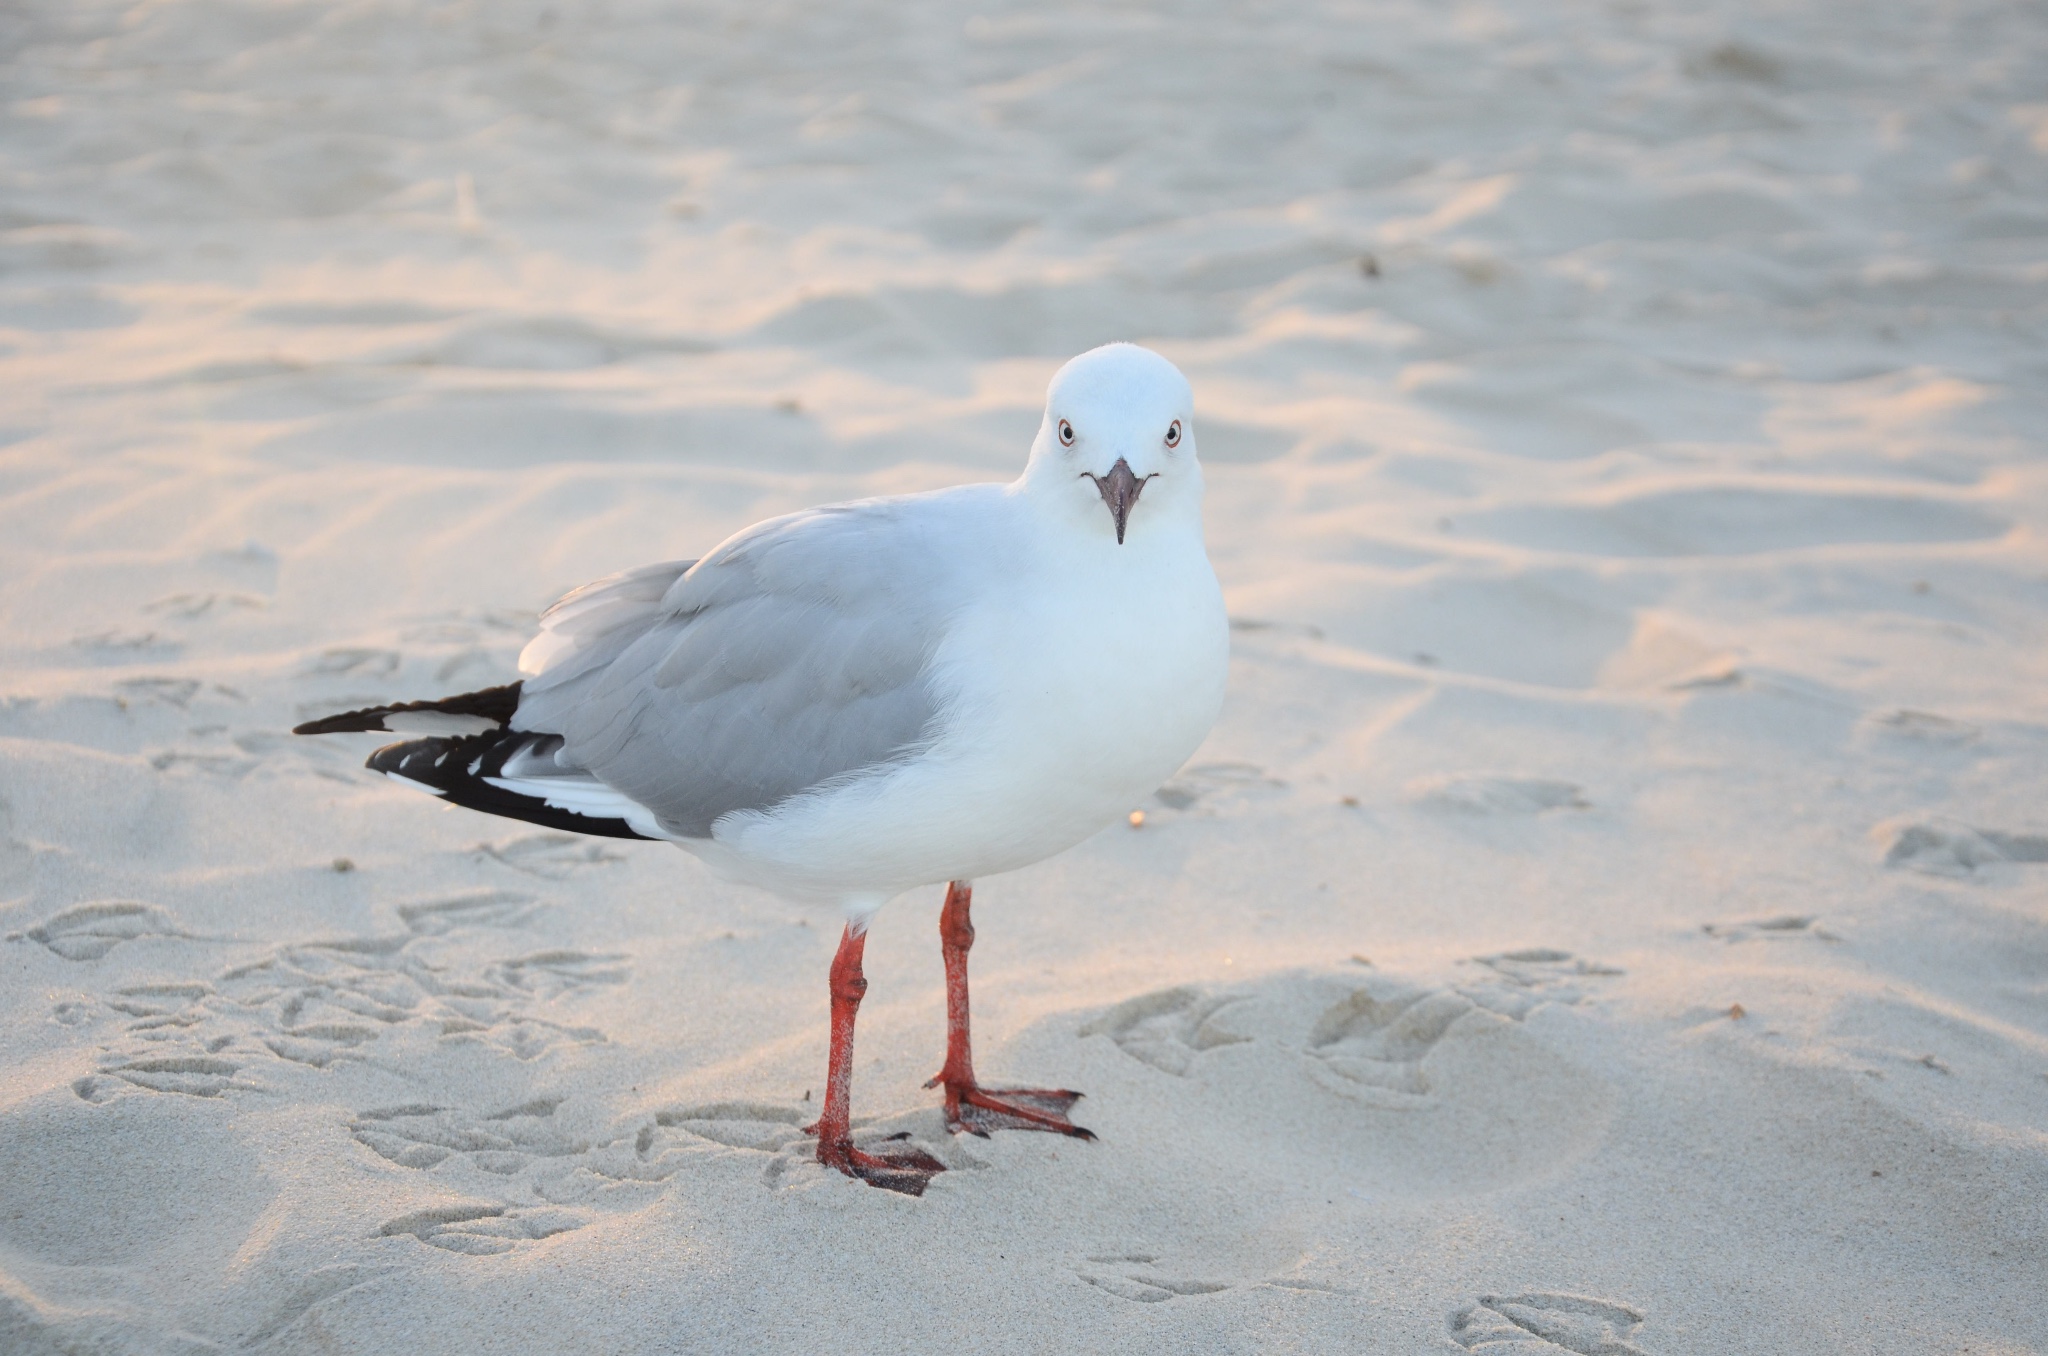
[{"x": 1119, "y": 426}]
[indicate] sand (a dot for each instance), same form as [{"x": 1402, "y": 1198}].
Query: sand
[{"x": 1610, "y": 917}]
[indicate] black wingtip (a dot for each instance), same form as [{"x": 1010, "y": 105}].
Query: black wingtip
[
  {"x": 347, "y": 722},
  {"x": 495, "y": 704},
  {"x": 462, "y": 770}
]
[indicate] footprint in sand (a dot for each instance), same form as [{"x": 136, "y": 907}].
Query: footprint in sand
[
  {"x": 1516, "y": 983},
  {"x": 317, "y": 1004},
  {"x": 551, "y": 856},
  {"x": 87, "y": 932},
  {"x": 547, "y": 974},
  {"x": 1380, "y": 1044},
  {"x": 172, "y": 692},
  {"x": 158, "y": 1006},
  {"x": 502, "y": 1143},
  {"x": 1167, "y": 1029},
  {"x": 481, "y": 1229},
  {"x": 474, "y": 909},
  {"x": 771, "y": 1136},
  {"x": 737, "y": 1125},
  {"x": 194, "y": 605},
  {"x": 1537, "y": 1323},
  {"x": 519, "y": 1155},
  {"x": 192, "y": 1075},
  {"x": 1775, "y": 928},
  {"x": 1134, "y": 1276},
  {"x": 1400, "y": 1089},
  {"x": 1380, "y": 1040},
  {"x": 1947, "y": 848},
  {"x": 355, "y": 661},
  {"x": 527, "y": 1152}
]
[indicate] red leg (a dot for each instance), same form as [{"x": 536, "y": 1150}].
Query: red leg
[
  {"x": 907, "y": 1171},
  {"x": 969, "y": 1106}
]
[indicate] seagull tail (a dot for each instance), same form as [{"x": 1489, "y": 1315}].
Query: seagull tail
[{"x": 473, "y": 758}]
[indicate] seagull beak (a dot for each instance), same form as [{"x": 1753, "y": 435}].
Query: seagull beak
[{"x": 1119, "y": 490}]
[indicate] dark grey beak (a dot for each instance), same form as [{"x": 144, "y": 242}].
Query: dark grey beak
[{"x": 1119, "y": 490}]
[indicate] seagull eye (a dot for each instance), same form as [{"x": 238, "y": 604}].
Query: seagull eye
[
  {"x": 1066, "y": 433},
  {"x": 1173, "y": 434}
]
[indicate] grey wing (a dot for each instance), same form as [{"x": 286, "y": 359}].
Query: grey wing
[
  {"x": 793, "y": 655},
  {"x": 589, "y": 627}
]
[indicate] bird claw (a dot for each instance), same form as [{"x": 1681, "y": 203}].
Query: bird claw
[
  {"x": 908, "y": 1171},
  {"x": 978, "y": 1110}
]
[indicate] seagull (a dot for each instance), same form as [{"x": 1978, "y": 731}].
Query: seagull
[{"x": 851, "y": 702}]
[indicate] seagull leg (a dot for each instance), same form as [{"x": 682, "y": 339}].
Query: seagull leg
[
  {"x": 907, "y": 1171},
  {"x": 970, "y": 1106}
]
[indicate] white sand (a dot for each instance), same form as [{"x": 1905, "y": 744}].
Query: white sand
[{"x": 1642, "y": 598}]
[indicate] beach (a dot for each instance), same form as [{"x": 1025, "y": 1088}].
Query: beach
[{"x": 1609, "y": 917}]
